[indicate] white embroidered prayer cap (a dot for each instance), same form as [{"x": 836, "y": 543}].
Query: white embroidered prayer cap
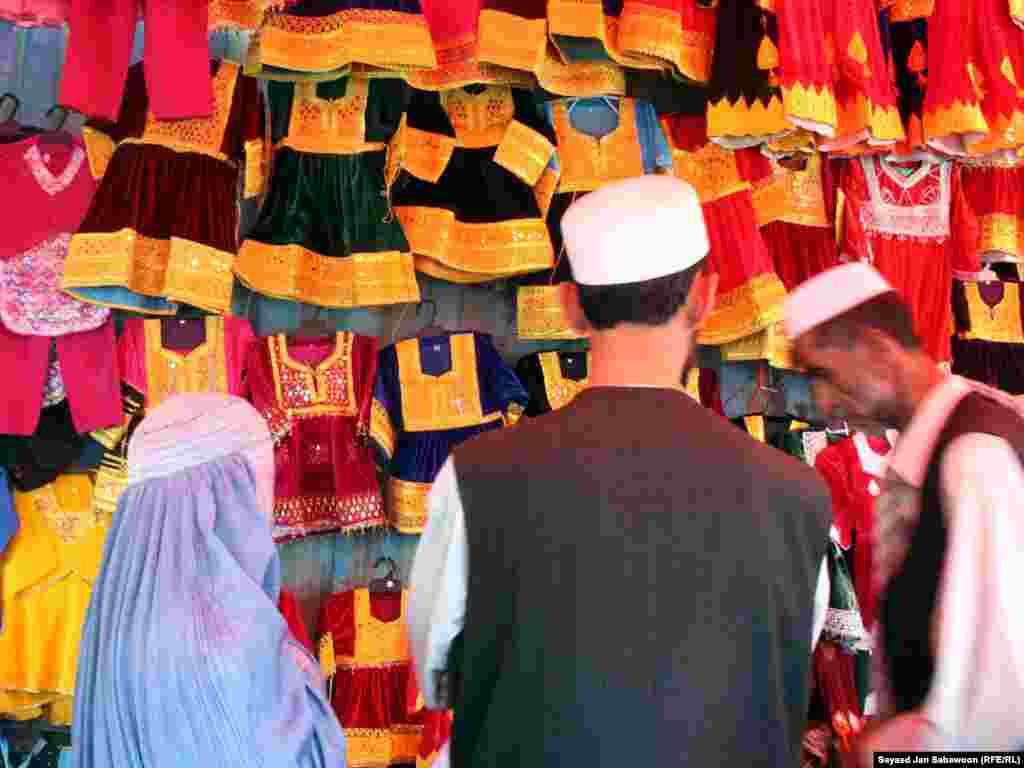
[
  {"x": 830, "y": 294},
  {"x": 634, "y": 230}
]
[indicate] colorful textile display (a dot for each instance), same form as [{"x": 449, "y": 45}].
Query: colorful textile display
[{"x": 553, "y": 379}]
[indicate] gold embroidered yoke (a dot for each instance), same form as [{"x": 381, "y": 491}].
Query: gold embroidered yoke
[
  {"x": 162, "y": 228},
  {"x": 471, "y": 172},
  {"x": 47, "y": 575}
]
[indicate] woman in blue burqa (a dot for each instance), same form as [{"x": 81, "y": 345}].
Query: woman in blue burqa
[{"x": 185, "y": 660}]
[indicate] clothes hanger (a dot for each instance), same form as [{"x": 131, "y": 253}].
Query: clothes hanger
[
  {"x": 316, "y": 325},
  {"x": 57, "y": 136},
  {"x": 388, "y": 584},
  {"x": 431, "y": 328},
  {"x": 10, "y": 127}
]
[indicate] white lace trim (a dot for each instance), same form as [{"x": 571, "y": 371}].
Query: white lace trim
[
  {"x": 893, "y": 214},
  {"x": 814, "y": 443},
  {"x": 845, "y": 627}
]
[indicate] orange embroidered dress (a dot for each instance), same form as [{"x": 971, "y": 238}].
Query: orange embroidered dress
[
  {"x": 975, "y": 101},
  {"x": 679, "y": 33},
  {"x": 325, "y": 234},
  {"x": 366, "y": 632},
  {"x": 750, "y": 294},
  {"x": 470, "y": 165},
  {"x": 917, "y": 230},
  {"x": 162, "y": 228},
  {"x": 317, "y": 37},
  {"x": 315, "y": 394},
  {"x": 47, "y": 573}
]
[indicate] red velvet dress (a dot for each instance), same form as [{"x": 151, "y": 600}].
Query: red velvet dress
[
  {"x": 162, "y": 229},
  {"x": 916, "y": 230},
  {"x": 750, "y": 294},
  {"x": 974, "y": 102},
  {"x": 371, "y": 685},
  {"x": 316, "y": 395}
]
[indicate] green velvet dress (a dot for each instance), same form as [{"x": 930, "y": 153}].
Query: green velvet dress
[{"x": 326, "y": 234}]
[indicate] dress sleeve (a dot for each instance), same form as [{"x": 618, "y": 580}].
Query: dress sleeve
[
  {"x": 504, "y": 391},
  {"x": 101, "y": 136},
  {"x": 367, "y": 380},
  {"x": 853, "y": 244},
  {"x": 528, "y": 145},
  {"x": 260, "y": 390},
  {"x": 131, "y": 354},
  {"x": 384, "y": 409},
  {"x": 246, "y": 141},
  {"x": 424, "y": 141},
  {"x": 966, "y": 232}
]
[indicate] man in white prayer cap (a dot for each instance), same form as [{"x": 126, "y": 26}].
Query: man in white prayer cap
[
  {"x": 949, "y": 524},
  {"x": 629, "y": 580}
]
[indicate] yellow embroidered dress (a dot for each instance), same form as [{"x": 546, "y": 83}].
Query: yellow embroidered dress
[
  {"x": 46, "y": 576},
  {"x": 325, "y": 235},
  {"x": 161, "y": 230}
]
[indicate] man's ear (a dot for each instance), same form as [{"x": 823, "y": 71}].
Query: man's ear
[
  {"x": 700, "y": 301},
  {"x": 569, "y": 298}
]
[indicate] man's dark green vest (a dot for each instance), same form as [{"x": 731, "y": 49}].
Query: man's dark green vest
[{"x": 641, "y": 588}]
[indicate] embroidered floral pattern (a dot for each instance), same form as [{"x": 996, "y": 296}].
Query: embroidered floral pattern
[
  {"x": 917, "y": 206},
  {"x": 53, "y": 388},
  {"x": 31, "y": 300},
  {"x": 53, "y": 185}
]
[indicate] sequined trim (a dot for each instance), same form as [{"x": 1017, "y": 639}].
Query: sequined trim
[
  {"x": 560, "y": 390},
  {"x": 168, "y": 373},
  {"x": 711, "y": 170},
  {"x": 423, "y": 154},
  {"x": 407, "y": 505},
  {"x": 480, "y": 251},
  {"x": 382, "y": 747},
  {"x": 391, "y": 39},
  {"x": 330, "y": 126},
  {"x": 377, "y": 643},
  {"x": 659, "y": 32},
  {"x": 540, "y": 315},
  {"x": 177, "y": 269},
  {"x": 582, "y": 78},
  {"x": 750, "y": 308},
  {"x": 805, "y": 196},
  {"x": 305, "y": 391},
  {"x": 450, "y": 400},
  {"x": 771, "y": 344},
  {"x": 587, "y": 19},
  {"x": 255, "y": 168},
  {"x": 524, "y": 152},
  {"x": 99, "y": 149},
  {"x": 382, "y": 431},
  {"x": 587, "y": 162},
  {"x": 511, "y": 41},
  {"x": 300, "y": 516},
  {"x": 297, "y": 274},
  {"x": 479, "y": 119},
  {"x": 1002, "y": 233},
  {"x": 69, "y": 513},
  {"x": 200, "y": 135},
  {"x": 237, "y": 14}
]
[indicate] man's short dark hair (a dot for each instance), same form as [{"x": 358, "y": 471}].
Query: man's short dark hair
[
  {"x": 886, "y": 312},
  {"x": 651, "y": 302}
]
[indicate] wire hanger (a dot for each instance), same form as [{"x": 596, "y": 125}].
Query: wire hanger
[
  {"x": 389, "y": 583},
  {"x": 10, "y": 126}
]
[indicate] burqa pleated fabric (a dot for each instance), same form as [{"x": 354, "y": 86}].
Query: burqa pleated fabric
[{"x": 185, "y": 660}]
